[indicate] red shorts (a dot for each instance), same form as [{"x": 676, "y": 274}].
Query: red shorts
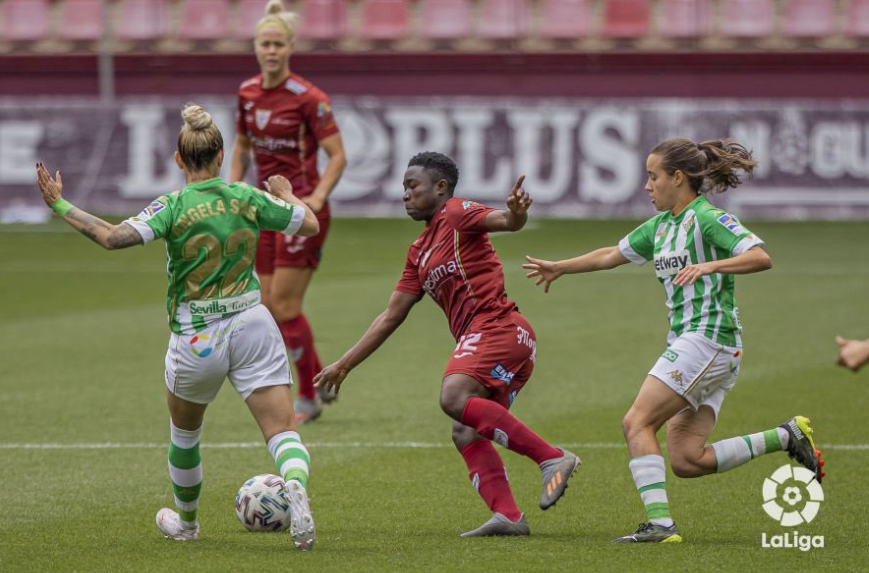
[
  {"x": 278, "y": 250},
  {"x": 500, "y": 355}
]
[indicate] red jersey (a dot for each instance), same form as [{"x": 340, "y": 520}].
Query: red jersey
[
  {"x": 284, "y": 124},
  {"x": 455, "y": 263}
]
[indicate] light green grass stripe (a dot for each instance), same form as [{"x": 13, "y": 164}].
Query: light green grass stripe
[{"x": 184, "y": 459}]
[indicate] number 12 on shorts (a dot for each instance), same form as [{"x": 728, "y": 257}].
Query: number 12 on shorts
[{"x": 467, "y": 345}]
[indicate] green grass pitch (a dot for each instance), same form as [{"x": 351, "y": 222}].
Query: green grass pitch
[{"x": 82, "y": 340}]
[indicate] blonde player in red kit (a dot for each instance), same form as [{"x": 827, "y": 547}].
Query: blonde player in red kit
[
  {"x": 284, "y": 120},
  {"x": 454, "y": 262}
]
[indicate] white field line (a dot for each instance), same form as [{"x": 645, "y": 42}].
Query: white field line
[{"x": 373, "y": 445}]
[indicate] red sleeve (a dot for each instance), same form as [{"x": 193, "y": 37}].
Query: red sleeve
[
  {"x": 409, "y": 282},
  {"x": 240, "y": 126},
  {"x": 318, "y": 115},
  {"x": 468, "y": 216}
]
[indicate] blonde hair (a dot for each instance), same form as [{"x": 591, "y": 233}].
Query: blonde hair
[
  {"x": 199, "y": 141},
  {"x": 276, "y": 15}
]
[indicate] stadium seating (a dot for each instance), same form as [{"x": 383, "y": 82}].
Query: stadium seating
[
  {"x": 502, "y": 19},
  {"x": 809, "y": 18},
  {"x": 857, "y": 19},
  {"x": 685, "y": 19},
  {"x": 564, "y": 19},
  {"x": 80, "y": 20},
  {"x": 323, "y": 20},
  {"x": 204, "y": 20},
  {"x": 626, "y": 19},
  {"x": 384, "y": 19},
  {"x": 24, "y": 20},
  {"x": 746, "y": 18},
  {"x": 143, "y": 20},
  {"x": 445, "y": 19}
]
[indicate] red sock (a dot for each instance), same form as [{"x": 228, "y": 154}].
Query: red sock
[
  {"x": 300, "y": 346},
  {"x": 493, "y": 421},
  {"x": 489, "y": 478}
]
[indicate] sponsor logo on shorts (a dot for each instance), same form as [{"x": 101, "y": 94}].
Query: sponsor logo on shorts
[
  {"x": 500, "y": 372},
  {"x": 501, "y": 438},
  {"x": 670, "y": 355},
  {"x": 676, "y": 375},
  {"x": 734, "y": 368},
  {"x": 731, "y": 223},
  {"x": 201, "y": 345},
  {"x": 512, "y": 396}
]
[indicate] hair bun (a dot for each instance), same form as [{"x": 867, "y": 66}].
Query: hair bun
[
  {"x": 274, "y": 7},
  {"x": 195, "y": 117}
]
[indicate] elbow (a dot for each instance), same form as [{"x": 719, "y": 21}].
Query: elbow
[
  {"x": 765, "y": 262},
  {"x": 309, "y": 229}
]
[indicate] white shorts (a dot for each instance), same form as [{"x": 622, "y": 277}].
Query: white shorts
[
  {"x": 699, "y": 370},
  {"x": 246, "y": 347}
]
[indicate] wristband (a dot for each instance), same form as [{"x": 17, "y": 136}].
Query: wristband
[{"x": 62, "y": 207}]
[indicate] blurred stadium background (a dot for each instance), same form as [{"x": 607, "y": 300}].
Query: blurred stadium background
[{"x": 571, "y": 92}]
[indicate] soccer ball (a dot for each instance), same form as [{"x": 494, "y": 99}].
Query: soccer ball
[{"x": 262, "y": 505}]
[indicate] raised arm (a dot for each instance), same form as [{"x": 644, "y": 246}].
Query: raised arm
[
  {"x": 280, "y": 187},
  {"x": 515, "y": 215},
  {"x": 241, "y": 155},
  {"x": 334, "y": 148},
  {"x": 599, "y": 260},
  {"x": 381, "y": 328},
  {"x": 105, "y": 234}
]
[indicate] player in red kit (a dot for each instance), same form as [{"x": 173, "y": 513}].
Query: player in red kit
[
  {"x": 283, "y": 119},
  {"x": 454, "y": 262}
]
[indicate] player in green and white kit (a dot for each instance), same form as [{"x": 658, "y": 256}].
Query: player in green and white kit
[
  {"x": 697, "y": 249},
  {"x": 219, "y": 328}
]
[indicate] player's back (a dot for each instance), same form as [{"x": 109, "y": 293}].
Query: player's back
[{"x": 211, "y": 230}]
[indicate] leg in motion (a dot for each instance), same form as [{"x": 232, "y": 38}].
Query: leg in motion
[
  {"x": 272, "y": 407},
  {"x": 185, "y": 470}
]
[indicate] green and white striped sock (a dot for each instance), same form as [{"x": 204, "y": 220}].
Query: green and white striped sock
[
  {"x": 185, "y": 469},
  {"x": 650, "y": 478},
  {"x": 733, "y": 452},
  {"x": 291, "y": 457}
]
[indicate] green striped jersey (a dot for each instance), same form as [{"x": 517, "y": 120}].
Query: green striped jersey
[
  {"x": 211, "y": 231},
  {"x": 701, "y": 233}
]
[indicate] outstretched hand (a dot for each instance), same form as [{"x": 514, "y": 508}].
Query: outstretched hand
[
  {"x": 853, "y": 354},
  {"x": 519, "y": 200},
  {"x": 51, "y": 189},
  {"x": 547, "y": 271},
  {"x": 330, "y": 378}
]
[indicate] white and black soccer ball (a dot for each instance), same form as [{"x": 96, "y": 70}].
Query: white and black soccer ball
[{"x": 262, "y": 505}]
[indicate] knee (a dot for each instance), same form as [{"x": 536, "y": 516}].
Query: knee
[
  {"x": 684, "y": 466},
  {"x": 630, "y": 425},
  {"x": 452, "y": 403}
]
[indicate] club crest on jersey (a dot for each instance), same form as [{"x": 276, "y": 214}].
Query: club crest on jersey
[
  {"x": 262, "y": 118},
  {"x": 731, "y": 224},
  {"x": 468, "y": 204},
  {"x": 688, "y": 223},
  {"x": 151, "y": 210}
]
